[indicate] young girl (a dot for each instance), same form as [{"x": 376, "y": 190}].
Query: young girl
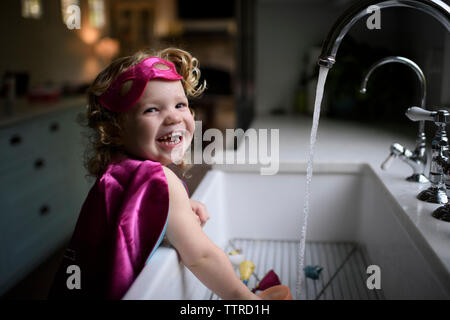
[{"x": 138, "y": 108}]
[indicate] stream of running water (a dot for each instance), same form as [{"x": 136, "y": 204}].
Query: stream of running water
[{"x": 309, "y": 172}]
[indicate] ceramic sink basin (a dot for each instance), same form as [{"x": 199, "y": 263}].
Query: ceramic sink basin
[{"x": 354, "y": 222}]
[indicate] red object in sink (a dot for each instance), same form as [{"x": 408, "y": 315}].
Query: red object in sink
[{"x": 270, "y": 279}]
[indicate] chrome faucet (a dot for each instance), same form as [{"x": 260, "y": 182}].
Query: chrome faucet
[
  {"x": 418, "y": 158},
  {"x": 437, "y": 192},
  {"x": 436, "y": 8}
]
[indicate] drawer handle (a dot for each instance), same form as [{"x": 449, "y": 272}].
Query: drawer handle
[
  {"x": 15, "y": 140},
  {"x": 54, "y": 127},
  {"x": 44, "y": 210},
  {"x": 39, "y": 163}
]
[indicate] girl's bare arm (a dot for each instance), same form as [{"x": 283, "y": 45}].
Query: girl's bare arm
[{"x": 198, "y": 253}]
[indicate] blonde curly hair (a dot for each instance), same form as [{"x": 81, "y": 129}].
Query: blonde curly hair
[{"x": 105, "y": 126}]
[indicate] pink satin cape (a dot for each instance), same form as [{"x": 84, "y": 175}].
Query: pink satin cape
[{"x": 118, "y": 227}]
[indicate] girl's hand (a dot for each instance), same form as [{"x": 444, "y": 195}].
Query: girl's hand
[{"x": 200, "y": 211}]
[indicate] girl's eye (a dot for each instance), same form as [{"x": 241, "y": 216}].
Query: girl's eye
[
  {"x": 180, "y": 105},
  {"x": 151, "y": 110}
]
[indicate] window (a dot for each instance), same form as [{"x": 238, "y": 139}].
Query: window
[
  {"x": 31, "y": 9},
  {"x": 64, "y": 5},
  {"x": 97, "y": 13}
]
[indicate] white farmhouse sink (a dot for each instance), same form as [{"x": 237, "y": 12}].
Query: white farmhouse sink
[{"x": 354, "y": 222}]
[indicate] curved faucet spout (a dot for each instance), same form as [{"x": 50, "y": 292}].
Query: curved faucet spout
[
  {"x": 410, "y": 64},
  {"x": 413, "y": 66},
  {"x": 404, "y": 61},
  {"x": 436, "y": 8}
]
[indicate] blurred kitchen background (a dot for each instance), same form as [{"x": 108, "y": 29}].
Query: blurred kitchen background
[{"x": 259, "y": 60}]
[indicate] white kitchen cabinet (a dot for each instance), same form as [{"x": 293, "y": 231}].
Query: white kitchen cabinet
[{"x": 42, "y": 188}]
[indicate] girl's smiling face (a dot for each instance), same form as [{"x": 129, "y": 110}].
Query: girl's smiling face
[{"x": 160, "y": 126}]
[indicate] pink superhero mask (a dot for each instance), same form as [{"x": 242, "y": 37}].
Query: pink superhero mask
[{"x": 140, "y": 74}]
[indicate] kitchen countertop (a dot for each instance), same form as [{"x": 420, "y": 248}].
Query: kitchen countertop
[
  {"x": 350, "y": 142},
  {"x": 24, "y": 110}
]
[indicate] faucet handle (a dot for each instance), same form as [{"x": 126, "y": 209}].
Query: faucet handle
[
  {"x": 395, "y": 151},
  {"x": 419, "y": 114},
  {"x": 388, "y": 162}
]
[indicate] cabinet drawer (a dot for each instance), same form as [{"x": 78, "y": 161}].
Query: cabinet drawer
[
  {"x": 38, "y": 235},
  {"x": 41, "y": 219},
  {"x": 53, "y": 133},
  {"x": 38, "y": 209},
  {"x": 58, "y": 133},
  {"x": 17, "y": 142},
  {"x": 30, "y": 177}
]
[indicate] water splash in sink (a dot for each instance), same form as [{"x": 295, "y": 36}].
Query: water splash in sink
[{"x": 309, "y": 171}]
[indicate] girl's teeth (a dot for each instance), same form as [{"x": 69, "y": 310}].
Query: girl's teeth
[
  {"x": 171, "y": 136},
  {"x": 174, "y": 140}
]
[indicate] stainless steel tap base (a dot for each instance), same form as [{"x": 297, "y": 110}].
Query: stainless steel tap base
[
  {"x": 434, "y": 195},
  {"x": 442, "y": 213},
  {"x": 418, "y": 177}
]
